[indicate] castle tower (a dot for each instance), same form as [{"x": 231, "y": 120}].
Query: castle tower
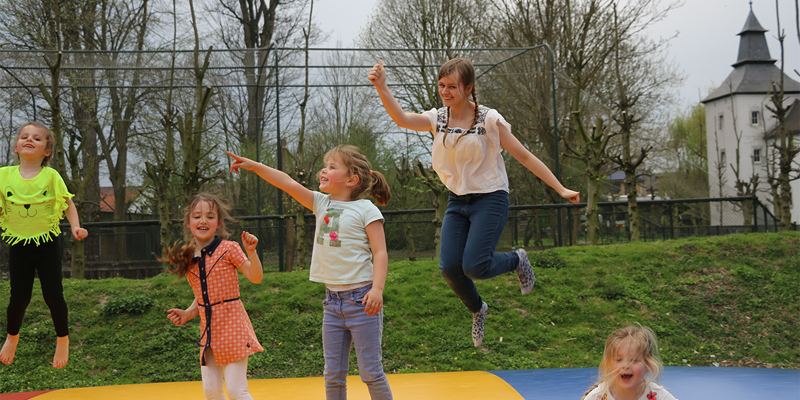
[{"x": 737, "y": 108}]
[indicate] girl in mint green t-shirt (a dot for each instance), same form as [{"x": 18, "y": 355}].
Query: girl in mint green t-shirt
[{"x": 349, "y": 257}]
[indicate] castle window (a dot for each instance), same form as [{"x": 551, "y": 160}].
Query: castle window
[
  {"x": 722, "y": 159},
  {"x": 754, "y": 118},
  {"x": 757, "y": 155},
  {"x": 720, "y": 122}
]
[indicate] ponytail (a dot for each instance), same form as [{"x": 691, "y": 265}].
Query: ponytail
[{"x": 379, "y": 189}]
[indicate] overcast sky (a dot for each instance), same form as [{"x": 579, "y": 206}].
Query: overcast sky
[{"x": 704, "y": 49}]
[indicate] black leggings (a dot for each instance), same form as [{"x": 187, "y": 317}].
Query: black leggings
[{"x": 23, "y": 263}]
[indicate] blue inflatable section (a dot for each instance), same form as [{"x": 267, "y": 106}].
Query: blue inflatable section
[{"x": 685, "y": 383}]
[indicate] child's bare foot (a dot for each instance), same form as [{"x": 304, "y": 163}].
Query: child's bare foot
[
  {"x": 62, "y": 352},
  {"x": 9, "y": 349}
]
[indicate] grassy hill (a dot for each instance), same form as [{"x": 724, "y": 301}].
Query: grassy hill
[{"x": 728, "y": 301}]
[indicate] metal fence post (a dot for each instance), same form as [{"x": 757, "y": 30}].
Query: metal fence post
[{"x": 282, "y": 221}]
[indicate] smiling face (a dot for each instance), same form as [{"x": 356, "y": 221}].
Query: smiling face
[
  {"x": 32, "y": 144},
  {"x": 335, "y": 178},
  {"x": 452, "y": 90},
  {"x": 630, "y": 368},
  {"x": 203, "y": 223}
]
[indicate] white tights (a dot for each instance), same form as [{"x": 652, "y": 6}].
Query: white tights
[{"x": 233, "y": 375}]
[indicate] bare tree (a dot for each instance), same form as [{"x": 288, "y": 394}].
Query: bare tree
[
  {"x": 297, "y": 168},
  {"x": 744, "y": 187}
]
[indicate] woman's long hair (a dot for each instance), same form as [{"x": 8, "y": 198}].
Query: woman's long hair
[
  {"x": 642, "y": 340},
  {"x": 181, "y": 255},
  {"x": 371, "y": 182},
  {"x": 466, "y": 74}
]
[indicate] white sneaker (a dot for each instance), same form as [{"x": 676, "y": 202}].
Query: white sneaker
[
  {"x": 477, "y": 325},
  {"x": 525, "y": 272}
]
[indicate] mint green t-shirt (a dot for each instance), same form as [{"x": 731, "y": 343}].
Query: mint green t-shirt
[
  {"x": 342, "y": 253},
  {"x": 31, "y": 208}
]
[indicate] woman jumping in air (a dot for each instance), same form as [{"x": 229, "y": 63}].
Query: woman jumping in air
[{"x": 467, "y": 146}]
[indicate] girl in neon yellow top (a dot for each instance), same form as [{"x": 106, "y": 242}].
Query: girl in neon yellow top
[{"x": 33, "y": 199}]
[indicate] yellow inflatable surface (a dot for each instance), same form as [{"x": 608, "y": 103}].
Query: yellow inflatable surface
[{"x": 440, "y": 386}]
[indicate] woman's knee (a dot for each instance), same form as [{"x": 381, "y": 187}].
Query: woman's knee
[
  {"x": 476, "y": 269},
  {"x": 450, "y": 270},
  {"x": 19, "y": 301}
]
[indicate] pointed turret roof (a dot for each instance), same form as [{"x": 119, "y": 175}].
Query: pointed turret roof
[
  {"x": 754, "y": 70},
  {"x": 753, "y": 43}
]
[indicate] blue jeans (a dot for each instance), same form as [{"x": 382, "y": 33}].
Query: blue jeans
[
  {"x": 471, "y": 229},
  {"x": 344, "y": 322}
]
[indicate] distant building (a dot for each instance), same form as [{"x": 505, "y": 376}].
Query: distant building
[
  {"x": 739, "y": 105},
  {"x": 646, "y": 186},
  {"x": 107, "y": 198}
]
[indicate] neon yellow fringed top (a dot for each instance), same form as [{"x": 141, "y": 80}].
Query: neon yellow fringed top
[{"x": 31, "y": 208}]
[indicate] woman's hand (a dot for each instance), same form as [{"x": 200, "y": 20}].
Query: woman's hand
[
  {"x": 178, "y": 316},
  {"x": 373, "y": 301},
  {"x": 377, "y": 75},
  {"x": 79, "y": 233},
  {"x": 249, "y": 242},
  {"x": 571, "y": 195},
  {"x": 241, "y": 162}
]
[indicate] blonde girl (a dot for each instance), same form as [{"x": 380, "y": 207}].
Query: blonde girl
[
  {"x": 33, "y": 199},
  {"x": 630, "y": 367},
  {"x": 210, "y": 263},
  {"x": 467, "y": 155},
  {"x": 349, "y": 257}
]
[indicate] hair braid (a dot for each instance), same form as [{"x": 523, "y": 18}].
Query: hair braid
[
  {"x": 446, "y": 122},
  {"x": 477, "y": 111}
]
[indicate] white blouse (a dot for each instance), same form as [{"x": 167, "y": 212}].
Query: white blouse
[{"x": 472, "y": 163}]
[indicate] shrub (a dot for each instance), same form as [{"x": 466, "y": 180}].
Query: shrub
[
  {"x": 128, "y": 303},
  {"x": 546, "y": 259}
]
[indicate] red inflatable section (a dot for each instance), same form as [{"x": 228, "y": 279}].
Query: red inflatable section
[{"x": 22, "y": 396}]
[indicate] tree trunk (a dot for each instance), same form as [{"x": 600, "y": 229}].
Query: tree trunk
[
  {"x": 633, "y": 206},
  {"x": 409, "y": 235},
  {"x": 592, "y": 211},
  {"x": 440, "y": 204},
  {"x": 300, "y": 242}
]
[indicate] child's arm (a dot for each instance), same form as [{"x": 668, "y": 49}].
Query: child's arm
[
  {"x": 413, "y": 121},
  {"x": 373, "y": 301},
  {"x": 279, "y": 179},
  {"x": 74, "y": 222},
  {"x": 513, "y": 146},
  {"x": 180, "y": 317},
  {"x": 251, "y": 268}
]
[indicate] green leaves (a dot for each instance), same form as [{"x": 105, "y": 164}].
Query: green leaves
[{"x": 129, "y": 303}]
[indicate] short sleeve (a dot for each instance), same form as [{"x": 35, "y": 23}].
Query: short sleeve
[
  {"x": 433, "y": 115},
  {"x": 371, "y": 214},
  {"x": 321, "y": 202},
  {"x": 236, "y": 255},
  {"x": 493, "y": 121},
  {"x": 61, "y": 195}
]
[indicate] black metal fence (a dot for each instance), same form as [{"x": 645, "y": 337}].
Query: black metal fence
[{"x": 128, "y": 249}]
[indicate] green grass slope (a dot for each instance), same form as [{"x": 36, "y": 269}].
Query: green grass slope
[{"x": 728, "y": 301}]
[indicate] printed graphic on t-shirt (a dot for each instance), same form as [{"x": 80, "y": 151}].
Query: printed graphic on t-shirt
[
  {"x": 330, "y": 227},
  {"x": 26, "y": 208}
]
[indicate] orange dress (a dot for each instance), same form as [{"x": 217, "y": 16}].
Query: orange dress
[{"x": 224, "y": 325}]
